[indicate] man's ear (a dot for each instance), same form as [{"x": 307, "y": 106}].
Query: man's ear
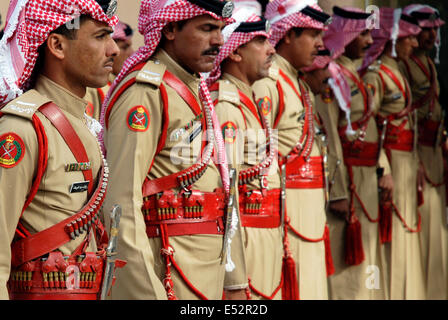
[
  {"x": 57, "y": 45},
  {"x": 169, "y": 31},
  {"x": 235, "y": 56}
]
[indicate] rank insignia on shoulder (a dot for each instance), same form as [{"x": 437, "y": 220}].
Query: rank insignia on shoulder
[
  {"x": 265, "y": 105},
  {"x": 328, "y": 96},
  {"x": 138, "y": 119},
  {"x": 229, "y": 130},
  {"x": 12, "y": 150}
]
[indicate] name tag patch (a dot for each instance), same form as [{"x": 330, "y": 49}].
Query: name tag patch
[{"x": 79, "y": 187}]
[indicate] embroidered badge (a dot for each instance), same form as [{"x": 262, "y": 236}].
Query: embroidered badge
[
  {"x": 229, "y": 132},
  {"x": 328, "y": 96},
  {"x": 372, "y": 88},
  {"x": 265, "y": 105},
  {"x": 89, "y": 109},
  {"x": 79, "y": 187},
  {"x": 12, "y": 150},
  {"x": 138, "y": 119},
  {"x": 181, "y": 131}
]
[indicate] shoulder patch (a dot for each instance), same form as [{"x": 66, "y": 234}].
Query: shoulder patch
[
  {"x": 229, "y": 131},
  {"x": 12, "y": 150},
  {"x": 26, "y": 105},
  {"x": 89, "y": 109},
  {"x": 152, "y": 73},
  {"x": 138, "y": 119},
  {"x": 265, "y": 105},
  {"x": 228, "y": 92}
]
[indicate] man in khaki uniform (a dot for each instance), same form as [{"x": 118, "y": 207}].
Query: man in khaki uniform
[
  {"x": 297, "y": 34},
  {"x": 356, "y": 144},
  {"x": 173, "y": 195},
  {"x": 123, "y": 37},
  {"x": 421, "y": 72},
  {"x": 246, "y": 57},
  {"x": 53, "y": 176},
  {"x": 396, "y": 120}
]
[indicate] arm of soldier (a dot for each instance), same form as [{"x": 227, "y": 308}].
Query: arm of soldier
[
  {"x": 15, "y": 184},
  {"x": 267, "y": 98},
  {"x": 338, "y": 177},
  {"x": 235, "y": 282},
  {"x": 130, "y": 150}
]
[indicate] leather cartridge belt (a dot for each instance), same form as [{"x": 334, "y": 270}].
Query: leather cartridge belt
[
  {"x": 360, "y": 153},
  {"x": 189, "y": 213},
  {"x": 302, "y": 174},
  {"x": 428, "y": 132},
  {"x": 58, "y": 277},
  {"x": 399, "y": 139},
  {"x": 260, "y": 209}
]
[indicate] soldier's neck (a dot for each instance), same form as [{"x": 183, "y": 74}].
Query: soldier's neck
[
  {"x": 236, "y": 72},
  {"x": 66, "y": 82}
]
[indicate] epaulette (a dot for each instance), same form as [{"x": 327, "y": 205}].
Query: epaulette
[
  {"x": 274, "y": 72},
  {"x": 374, "y": 67},
  {"x": 26, "y": 105},
  {"x": 152, "y": 73},
  {"x": 228, "y": 92}
]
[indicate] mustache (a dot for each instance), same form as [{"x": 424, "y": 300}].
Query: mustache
[
  {"x": 211, "y": 51},
  {"x": 367, "y": 47}
]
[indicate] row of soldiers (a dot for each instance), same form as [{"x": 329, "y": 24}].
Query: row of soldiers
[{"x": 284, "y": 155}]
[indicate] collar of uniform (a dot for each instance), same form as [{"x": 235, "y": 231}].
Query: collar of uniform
[
  {"x": 348, "y": 63},
  {"x": 390, "y": 62},
  {"x": 63, "y": 98},
  {"x": 286, "y": 67},
  {"x": 191, "y": 80},
  {"x": 243, "y": 87}
]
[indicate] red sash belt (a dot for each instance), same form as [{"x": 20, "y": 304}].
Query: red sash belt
[
  {"x": 58, "y": 278},
  {"x": 361, "y": 153},
  {"x": 305, "y": 175},
  {"x": 185, "y": 214},
  {"x": 260, "y": 211},
  {"x": 399, "y": 139},
  {"x": 428, "y": 132}
]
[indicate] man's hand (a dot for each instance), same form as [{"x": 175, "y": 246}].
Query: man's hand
[
  {"x": 386, "y": 183},
  {"x": 239, "y": 294},
  {"x": 341, "y": 208}
]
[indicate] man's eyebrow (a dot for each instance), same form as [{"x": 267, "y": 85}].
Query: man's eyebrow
[{"x": 108, "y": 30}]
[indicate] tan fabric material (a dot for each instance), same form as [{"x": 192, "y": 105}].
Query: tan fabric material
[
  {"x": 353, "y": 282},
  {"x": 130, "y": 155},
  {"x": 53, "y": 202},
  {"x": 305, "y": 207},
  {"x": 403, "y": 257},
  {"x": 434, "y": 235},
  {"x": 264, "y": 248}
]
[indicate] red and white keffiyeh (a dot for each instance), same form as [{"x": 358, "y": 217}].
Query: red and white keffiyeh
[
  {"x": 251, "y": 5},
  {"x": 28, "y": 24},
  {"x": 392, "y": 28},
  {"x": 285, "y": 14},
  {"x": 233, "y": 40},
  {"x": 154, "y": 16}
]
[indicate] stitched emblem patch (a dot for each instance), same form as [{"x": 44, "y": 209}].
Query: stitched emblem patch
[
  {"x": 138, "y": 119},
  {"x": 265, "y": 105},
  {"x": 229, "y": 132},
  {"x": 12, "y": 150}
]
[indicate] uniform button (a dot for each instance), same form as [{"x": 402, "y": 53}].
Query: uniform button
[{"x": 338, "y": 162}]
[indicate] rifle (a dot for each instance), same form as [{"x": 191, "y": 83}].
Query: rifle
[{"x": 111, "y": 252}]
